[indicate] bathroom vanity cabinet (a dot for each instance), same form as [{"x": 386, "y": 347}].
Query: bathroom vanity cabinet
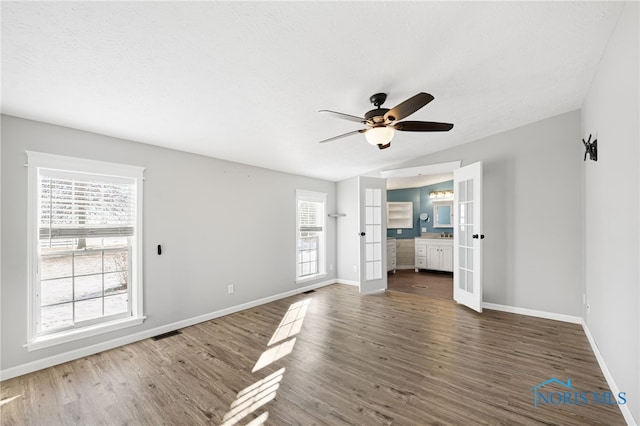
[
  {"x": 391, "y": 255},
  {"x": 433, "y": 253}
]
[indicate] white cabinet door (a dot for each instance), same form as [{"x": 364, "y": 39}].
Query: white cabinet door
[
  {"x": 446, "y": 259},
  {"x": 433, "y": 258}
]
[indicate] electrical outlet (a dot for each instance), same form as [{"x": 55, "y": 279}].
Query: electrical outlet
[
  {"x": 355, "y": 268},
  {"x": 230, "y": 289}
]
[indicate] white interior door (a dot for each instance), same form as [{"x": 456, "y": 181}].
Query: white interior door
[
  {"x": 373, "y": 234},
  {"x": 468, "y": 236}
]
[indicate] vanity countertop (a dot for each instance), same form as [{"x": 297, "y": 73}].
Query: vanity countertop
[{"x": 438, "y": 240}]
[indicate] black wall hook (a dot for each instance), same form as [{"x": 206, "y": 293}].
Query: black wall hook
[{"x": 591, "y": 148}]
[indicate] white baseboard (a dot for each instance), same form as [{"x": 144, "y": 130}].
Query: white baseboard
[
  {"x": 369, "y": 293},
  {"x": 348, "y": 282},
  {"x": 405, "y": 267},
  {"x": 40, "y": 364},
  {"x": 626, "y": 412},
  {"x": 532, "y": 313}
]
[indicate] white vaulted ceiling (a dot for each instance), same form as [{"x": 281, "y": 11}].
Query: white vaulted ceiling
[{"x": 244, "y": 81}]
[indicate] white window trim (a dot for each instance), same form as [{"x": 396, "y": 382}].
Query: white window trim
[
  {"x": 37, "y": 160},
  {"x": 302, "y": 194}
]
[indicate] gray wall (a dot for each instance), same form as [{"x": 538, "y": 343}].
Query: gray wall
[
  {"x": 347, "y": 231},
  {"x": 532, "y": 213},
  {"x": 219, "y": 223},
  {"x": 611, "y": 206}
]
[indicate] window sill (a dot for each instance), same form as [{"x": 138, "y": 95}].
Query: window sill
[
  {"x": 89, "y": 331},
  {"x": 311, "y": 278}
]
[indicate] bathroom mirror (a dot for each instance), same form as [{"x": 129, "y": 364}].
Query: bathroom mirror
[{"x": 443, "y": 214}]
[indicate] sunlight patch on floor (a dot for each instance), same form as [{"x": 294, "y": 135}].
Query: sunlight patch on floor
[
  {"x": 8, "y": 400},
  {"x": 261, "y": 392},
  {"x": 273, "y": 354},
  {"x": 250, "y": 401},
  {"x": 291, "y": 324},
  {"x": 257, "y": 387},
  {"x": 259, "y": 421}
]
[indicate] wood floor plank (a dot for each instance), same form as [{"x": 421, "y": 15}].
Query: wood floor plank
[{"x": 392, "y": 358}]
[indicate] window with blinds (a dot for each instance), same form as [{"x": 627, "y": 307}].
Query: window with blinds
[
  {"x": 310, "y": 234},
  {"x": 86, "y": 260}
]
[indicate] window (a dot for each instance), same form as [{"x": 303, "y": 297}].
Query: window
[
  {"x": 84, "y": 248},
  {"x": 310, "y": 234}
]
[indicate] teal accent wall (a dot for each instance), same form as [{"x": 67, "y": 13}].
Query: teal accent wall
[
  {"x": 426, "y": 204},
  {"x": 421, "y": 204},
  {"x": 406, "y": 194}
]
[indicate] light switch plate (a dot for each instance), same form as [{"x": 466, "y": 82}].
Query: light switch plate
[
  {"x": 423, "y": 229},
  {"x": 399, "y": 231}
]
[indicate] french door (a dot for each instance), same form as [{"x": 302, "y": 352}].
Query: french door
[
  {"x": 372, "y": 234},
  {"x": 468, "y": 236}
]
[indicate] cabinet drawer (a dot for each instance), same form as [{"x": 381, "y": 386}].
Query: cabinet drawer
[
  {"x": 421, "y": 250},
  {"x": 421, "y": 262}
]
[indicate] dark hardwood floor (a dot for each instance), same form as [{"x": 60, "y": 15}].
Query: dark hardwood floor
[
  {"x": 423, "y": 283},
  {"x": 330, "y": 357}
]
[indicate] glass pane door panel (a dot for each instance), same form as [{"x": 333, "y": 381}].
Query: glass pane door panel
[
  {"x": 469, "y": 184},
  {"x": 465, "y": 235},
  {"x": 377, "y": 197},
  {"x": 368, "y": 197},
  {"x": 377, "y": 216},
  {"x": 373, "y": 236},
  {"x": 462, "y": 280},
  {"x": 377, "y": 233},
  {"x": 368, "y": 238},
  {"x": 462, "y": 191}
]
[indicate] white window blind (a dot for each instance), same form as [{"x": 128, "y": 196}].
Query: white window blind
[
  {"x": 310, "y": 215},
  {"x": 84, "y": 206}
]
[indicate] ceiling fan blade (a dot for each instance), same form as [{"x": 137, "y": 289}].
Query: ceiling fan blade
[
  {"x": 344, "y": 116},
  {"x": 408, "y": 107},
  {"x": 385, "y": 146},
  {"x": 344, "y": 135},
  {"x": 422, "y": 126}
]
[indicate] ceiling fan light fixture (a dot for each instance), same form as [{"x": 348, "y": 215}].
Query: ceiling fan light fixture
[{"x": 381, "y": 135}]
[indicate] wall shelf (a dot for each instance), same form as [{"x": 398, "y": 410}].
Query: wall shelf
[{"x": 400, "y": 214}]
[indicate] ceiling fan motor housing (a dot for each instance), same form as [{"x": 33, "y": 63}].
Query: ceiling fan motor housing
[{"x": 376, "y": 116}]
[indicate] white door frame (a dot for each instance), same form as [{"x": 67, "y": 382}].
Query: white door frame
[{"x": 427, "y": 169}]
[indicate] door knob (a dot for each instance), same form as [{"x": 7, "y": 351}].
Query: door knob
[
  {"x": 476, "y": 236},
  {"x": 362, "y": 234}
]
